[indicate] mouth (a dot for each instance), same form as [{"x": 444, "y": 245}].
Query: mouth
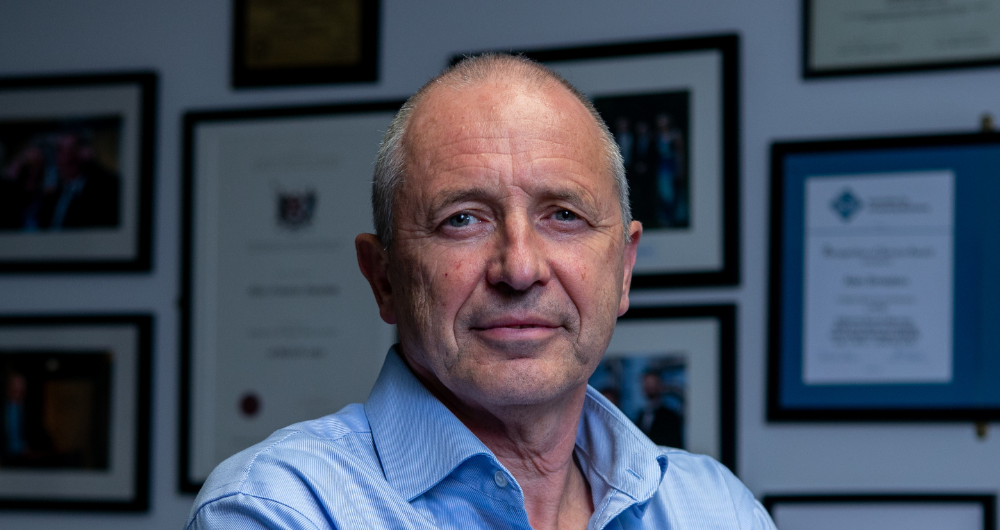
[{"x": 514, "y": 329}]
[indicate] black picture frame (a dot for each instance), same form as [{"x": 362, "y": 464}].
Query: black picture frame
[
  {"x": 812, "y": 71},
  {"x": 112, "y": 118},
  {"x": 294, "y": 120},
  {"x": 113, "y": 473},
  {"x": 714, "y": 62},
  {"x": 970, "y": 158},
  {"x": 987, "y": 502},
  {"x": 684, "y": 326},
  {"x": 363, "y": 70}
]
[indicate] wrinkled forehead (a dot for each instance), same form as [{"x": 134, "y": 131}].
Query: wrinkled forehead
[{"x": 504, "y": 118}]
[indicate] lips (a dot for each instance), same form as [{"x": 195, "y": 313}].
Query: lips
[{"x": 516, "y": 323}]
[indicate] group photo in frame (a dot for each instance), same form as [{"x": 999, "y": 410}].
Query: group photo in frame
[
  {"x": 882, "y": 291},
  {"x": 272, "y": 332},
  {"x": 863, "y": 37},
  {"x": 76, "y": 412},
  {"x": 304, "y": 42},
  {"x": 877, "y": 511},
  {"x": 672, "y": 371},
  {"x": 76, "y": 172},
  {"x": 673, "y": 108}
]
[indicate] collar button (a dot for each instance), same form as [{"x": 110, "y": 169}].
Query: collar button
[{"x": 500, "y": 479}]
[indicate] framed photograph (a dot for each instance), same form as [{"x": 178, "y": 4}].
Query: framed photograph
[
  {"x": 278, "y": 324},
  {"x": 672, "y": 371},
  {"x": 301, "y": 42},
  {"x": 883, "y": 510},
  {"x": 882, "y": 284},
  {"x": 857, "y": 37},
  {"x": 76, "y": 412},
  {"x": 673, "y": 107},
  {"x": 76, "y": 172}
]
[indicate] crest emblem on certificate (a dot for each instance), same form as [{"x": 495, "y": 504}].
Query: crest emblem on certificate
[
  {"x": 846, "y": 205},
  {"x": 296, "y": 209}
]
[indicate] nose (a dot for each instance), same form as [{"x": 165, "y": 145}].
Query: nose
[{"x": 520, "y": 260}]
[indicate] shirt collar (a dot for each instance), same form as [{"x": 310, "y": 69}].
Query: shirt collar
[
  {"x": 614, "y": 453},
  {"x": 420, "y": 442}
]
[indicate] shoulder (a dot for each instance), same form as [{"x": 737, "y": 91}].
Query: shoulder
[
  {"x": 697, "y": 487},
  {"x": 293, "y": 471}
]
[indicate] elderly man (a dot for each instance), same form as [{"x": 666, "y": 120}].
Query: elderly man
[{"x": 504, "y": 255}]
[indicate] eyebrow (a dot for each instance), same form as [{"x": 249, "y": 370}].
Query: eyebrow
[
  {"x": 450, "y": 197},
  {"x": 483, "y": 194}
]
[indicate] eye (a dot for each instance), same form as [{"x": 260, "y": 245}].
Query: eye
[
  {"x": 564, "y": 215},
  {"x": 461, "y": 219}
]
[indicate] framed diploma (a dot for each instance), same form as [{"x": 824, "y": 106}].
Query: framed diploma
[
  {"x": 76, "y": 412},
  {"x": 851, "y": 37},
  {"x": 673, "y": 107},
  {"x": 672, "y": 371},
  {"x": 884, "y": 510},
  {"x": 278, "y": 323},
  {"x": 76, "y": 170},
  {"x": 299, "y": 42},
  {"x": 882, "y": 288}
]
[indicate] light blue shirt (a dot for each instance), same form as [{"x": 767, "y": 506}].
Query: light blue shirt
[{"x": 403, "y": 460}]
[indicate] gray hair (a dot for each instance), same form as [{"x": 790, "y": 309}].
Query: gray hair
[{"x": 390, "y": 165}]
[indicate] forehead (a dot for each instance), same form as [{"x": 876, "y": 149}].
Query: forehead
[{"x": 500, "y": 126}]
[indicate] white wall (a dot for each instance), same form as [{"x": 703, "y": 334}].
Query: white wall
[{"x": 187, "y": 41}]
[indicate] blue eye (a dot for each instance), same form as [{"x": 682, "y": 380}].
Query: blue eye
[
  {"x": 461, "y": 219},
  {"x": 565, "y": 215}
]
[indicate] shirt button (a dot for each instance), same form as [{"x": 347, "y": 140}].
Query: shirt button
[{"x": 500, "y": 479}]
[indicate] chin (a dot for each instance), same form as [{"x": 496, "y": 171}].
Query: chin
[{"x": 524, "y": 382}]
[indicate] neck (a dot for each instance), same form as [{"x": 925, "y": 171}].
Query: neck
[{"x": 536, "y": 444}]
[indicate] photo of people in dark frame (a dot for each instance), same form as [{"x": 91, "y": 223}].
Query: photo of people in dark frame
[
  {"x": 60, "y": 174},
  {"x": 652, "y": 131},
  {"x": 650, "y": 390},
  {"x": 56, "y": 410}
]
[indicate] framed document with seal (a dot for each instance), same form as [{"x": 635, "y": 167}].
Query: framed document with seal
[
  {"x": 913, "y": 511},
  {"x": 278, "y": 323},
  {"x": 851, "y": 37},
  {"x": 672, "y": 371},
  {"x": 300, "y": 42},
  {"x": 673, "y": 107},
  {"x": 75, "y": 429},
  {"x": 76, "y": 172},
  {"x": 881, "y": 290}
]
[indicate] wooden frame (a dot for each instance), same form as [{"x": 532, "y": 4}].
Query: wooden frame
[
  {"x": 277, "y": 44},
  {"x": 76, "y": 168},
  {"x": 299, "y": 182},
  {"x": 77, "y": 393},
  {"x": 697, "y": 346},
  {"x": 955, "y": 382},
  {"x": 929, "y": 509}
]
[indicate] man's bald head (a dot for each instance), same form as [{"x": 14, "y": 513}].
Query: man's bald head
[{"x": 390, "y": 166}]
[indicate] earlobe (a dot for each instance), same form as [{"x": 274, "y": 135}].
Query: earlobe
[
  {"x": 635, "y": 233},
  {"x": 374, "y": 263}
]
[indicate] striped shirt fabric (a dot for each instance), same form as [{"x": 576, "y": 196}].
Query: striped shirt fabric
[{"x": 404, "y": 461}]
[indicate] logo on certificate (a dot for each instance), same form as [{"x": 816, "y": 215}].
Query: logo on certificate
[
  {"x": 295, "y": 210},
  {"x": 846, "y": 205}
]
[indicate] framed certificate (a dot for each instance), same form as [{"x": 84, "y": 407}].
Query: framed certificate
[
  {"x": 76, "y": 170},
  {"x": 299, "y": 42},
  {"x": 278, "y": 323},
  {"x": 851, "y": 37},
  {"x": 76, "y": 412},
  {"x": 882, "y": 292},
  {"x": 672, "y": 371},
  {"x": 673, "y": 107},
  {"x": 883, "y": 510}
]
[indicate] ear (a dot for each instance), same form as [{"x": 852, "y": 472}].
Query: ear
[
  {"x": 374, "y": 263},
  {"x": 635, "y": 233}
]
